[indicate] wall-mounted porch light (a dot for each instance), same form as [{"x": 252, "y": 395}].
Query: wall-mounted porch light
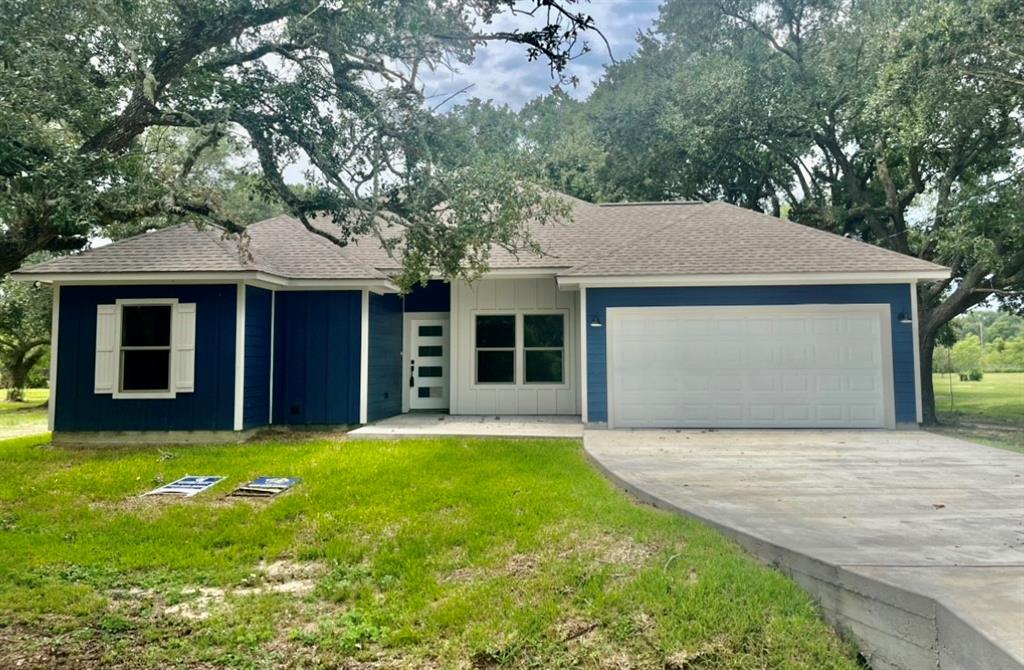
[
  {"x": 904, "y": 318},
  {"x": 596, "y": 322}
]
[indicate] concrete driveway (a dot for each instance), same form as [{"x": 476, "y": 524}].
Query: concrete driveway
[{"x": 912, "y": 542}]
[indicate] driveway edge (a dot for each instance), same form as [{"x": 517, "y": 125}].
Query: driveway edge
[{"x": 894, "y": 628}]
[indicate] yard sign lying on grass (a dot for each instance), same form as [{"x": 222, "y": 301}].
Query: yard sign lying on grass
[
  {"x": 186, "y": 487},
  {"x": 265, "y": 487}
]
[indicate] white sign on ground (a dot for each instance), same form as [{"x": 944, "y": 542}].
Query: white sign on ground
[{"x": 185, "y": 487}]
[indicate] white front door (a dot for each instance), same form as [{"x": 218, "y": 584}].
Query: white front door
[
  {"x": 428, "y": 363},
  {"x": 813, "y": 366}
]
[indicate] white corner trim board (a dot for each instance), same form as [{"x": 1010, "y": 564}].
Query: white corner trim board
[
  {"x": 583, "y": 354},
  {"x": 917, "y": 353},
  {"x": 273, "y": 327},
  {"x": 364, "y": 357},
  {"x": 54, "y": 332},
  {"x": 239, "y": 356}
]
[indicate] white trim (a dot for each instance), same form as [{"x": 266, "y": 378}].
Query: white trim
[
  {"x": 407, "y": 318},
  {"x": 117, "y": 393},
  {"x": 583, "y": 354},
  {"x": 259, "y": 279},
  {"x": 364, "y": 358},
  {"x": 918, "y": 403},
  {"x": 808, "y": 278},
  {"x": 273, "y": 327},
  {"x": 54, "y": 337},
  {"x": 883, "y": 310},
  {"x": 239, "y": 356}
]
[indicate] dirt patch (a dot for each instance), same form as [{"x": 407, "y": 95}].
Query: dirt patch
[
  {"x": 609, "y": 549},
  {"x": 284, "y": 577},
  {"x": 522, "y": 565},
  {"x": 578, "y": 631}
]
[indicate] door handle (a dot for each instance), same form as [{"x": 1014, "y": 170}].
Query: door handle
[{"x": 412, "y": 374}]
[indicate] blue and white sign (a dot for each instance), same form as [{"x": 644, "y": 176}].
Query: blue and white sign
[
  {"x": 265, "y": 487},
  {"x": 186, "y": 487}
]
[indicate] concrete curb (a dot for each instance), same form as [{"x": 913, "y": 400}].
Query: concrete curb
[{"x": 894, "y": 628}]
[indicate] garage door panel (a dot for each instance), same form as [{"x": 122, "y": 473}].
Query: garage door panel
[{"x": 708, "y": 367}]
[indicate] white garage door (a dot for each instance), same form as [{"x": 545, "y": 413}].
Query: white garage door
[{"x": 814, "y": 366}]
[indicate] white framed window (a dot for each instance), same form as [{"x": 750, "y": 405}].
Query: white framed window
[
  {"x": 544, "y": 348},
  {"x": 524, "y": 347},
  {"x": 145, "y": 348},
  {"x": 495, "y": 342}
]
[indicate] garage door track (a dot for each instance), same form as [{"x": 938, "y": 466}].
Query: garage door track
[{"x": 912, "y": 542}]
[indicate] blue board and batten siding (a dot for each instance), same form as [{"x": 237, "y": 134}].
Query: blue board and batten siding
[
  {"x": 316, "y": 357},
  {"x": 209, "y": 407},
  {"x": 897, "y": 296},
  {"x": 384, "y": 370},
  {"x": 436, "y": 296},
  {"x": 256, "y": 398}
]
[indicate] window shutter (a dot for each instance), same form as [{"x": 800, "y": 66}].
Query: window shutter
[
  {"x": 106, "y": 327},
  {"x": 184, "y": 342}
]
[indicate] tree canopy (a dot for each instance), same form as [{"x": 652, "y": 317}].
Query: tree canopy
[{"x": 90, "y": 91}]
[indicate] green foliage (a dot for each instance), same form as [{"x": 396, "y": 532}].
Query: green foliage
[
  {"x": 422, "y": 553},
  {"x": 111, "y": 110},
  {"x": 967, "y": 354},
  {"x": 24, "y": 333}
]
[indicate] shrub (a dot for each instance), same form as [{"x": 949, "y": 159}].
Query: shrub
[{"x": 975, "y": 375}]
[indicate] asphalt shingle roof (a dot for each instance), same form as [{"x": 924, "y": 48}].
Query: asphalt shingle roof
[{"x": 629, "y": 239}]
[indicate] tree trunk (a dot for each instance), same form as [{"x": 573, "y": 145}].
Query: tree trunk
[
  {"x": 19, "y": 371},
  {"x": 927, "y": 352}
]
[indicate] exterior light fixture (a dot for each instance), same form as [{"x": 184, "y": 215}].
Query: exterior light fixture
[
  {"x": 904, "y": 318},
  {"x": 596, "y": 322}
]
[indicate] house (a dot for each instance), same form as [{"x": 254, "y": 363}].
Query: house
[{"x": 676, "y": 314}]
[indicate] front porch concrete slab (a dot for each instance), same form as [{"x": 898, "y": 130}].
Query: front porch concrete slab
[
  {"x": 432, "y": 424},
  {"x": 913, "y": 543}
]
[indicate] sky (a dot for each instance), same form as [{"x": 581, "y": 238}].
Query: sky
[{"x": 501, "y": 72}]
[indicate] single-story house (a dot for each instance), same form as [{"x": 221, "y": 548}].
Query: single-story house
[{"x": 668, "y": 314}]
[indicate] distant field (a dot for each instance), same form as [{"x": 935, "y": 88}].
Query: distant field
[
  {"x": 990, "y": 411},
  {"x": 24, "y": 418}
]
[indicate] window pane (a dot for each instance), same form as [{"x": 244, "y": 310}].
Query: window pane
[
  {"x": 431, "y": 331},
  {"x": 543, "y": 330},
  {"x": 431, "y": 351},
  {"x": 495, "y": 366},
  {"x": 496, "y": 331},
  {"x": 429, "y": 392},
  {"x": 145, "y": 370},
  {"x": 431, "y": 371},
  {"x": 544, "y": 366},
  {"x": 146, "y": 325}
]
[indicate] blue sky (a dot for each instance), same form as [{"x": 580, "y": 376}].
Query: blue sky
[{"x": 501, "y": 72}]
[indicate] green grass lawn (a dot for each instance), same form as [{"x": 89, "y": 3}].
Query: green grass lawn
[
  {"x": 24, "y": 418},
  {"x": 990, "y": 411},
  {"x": 419, "y": 554}
]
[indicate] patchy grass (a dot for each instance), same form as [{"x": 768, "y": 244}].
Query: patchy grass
[
  {"x": 990, "y": 411},
  {"x": 18, "y": 419},
  {"x": 421, "y": 554}
]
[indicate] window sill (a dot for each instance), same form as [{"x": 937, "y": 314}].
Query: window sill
[{"x": 144, "y": 395}]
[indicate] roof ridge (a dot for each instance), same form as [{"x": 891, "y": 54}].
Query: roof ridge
[
  {"x": 650, "y": 203},
  {"x": 634, "y": 239},
  {"x": 831, "y": 235}
]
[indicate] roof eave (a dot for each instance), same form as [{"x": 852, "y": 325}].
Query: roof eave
[
  {"x": 255, "y": 278},
  {"x": 763, "y": 279}
]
